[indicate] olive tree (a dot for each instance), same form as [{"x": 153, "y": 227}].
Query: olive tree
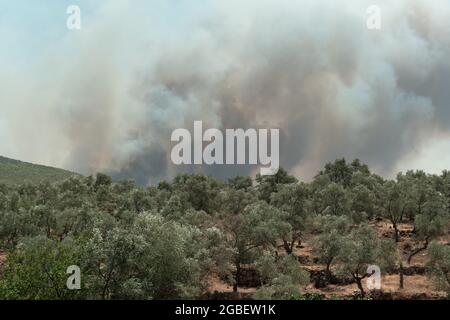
[
  {"x": 416, "y": 189},
  {"x": 16, "y": 222},
  {"x": 335, "y": 199},
  {"x": 442, "y": 184},
  {"x": 293, "y": 201},
  {"x": 281, "y": 278},
  {"x": 439, "y": 265},
  {"x": 362, "y": 203},
  {"x": 156, "y": 258},
  {"x": 251, "y": 232},
  {"x": 233, "y": 201},
  {"x": 266, "y": 185},
  {"x": 36, "y": 270},
  {"x": 430, "y": 223},
  {"x": 328, "y": 244},
  {"x": 362, "y": 248},
  {"x": 201, "y": 191},
  {"x": 394, "y": 205},
  {"x": 339, "y": 172}
]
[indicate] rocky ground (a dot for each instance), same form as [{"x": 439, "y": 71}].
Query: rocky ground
[{"x": 416, "y": 283}]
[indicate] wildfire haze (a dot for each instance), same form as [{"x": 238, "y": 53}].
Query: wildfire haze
[{"x": 106, "y": 97}]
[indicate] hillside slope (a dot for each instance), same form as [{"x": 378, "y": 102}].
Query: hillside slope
[{"x": 16, "y": 172}]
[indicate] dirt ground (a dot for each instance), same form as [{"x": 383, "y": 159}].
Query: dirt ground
[
  {"x": 416, "y": 283},
  {"x": 2, "y": 259}
]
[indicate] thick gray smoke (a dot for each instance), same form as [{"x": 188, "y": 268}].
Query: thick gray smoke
[{"x": 108, "y": 96}]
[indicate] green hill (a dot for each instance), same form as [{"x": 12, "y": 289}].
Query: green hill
[{"x": 16, "y": 172}]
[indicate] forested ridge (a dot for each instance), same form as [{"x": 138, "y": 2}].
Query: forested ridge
[
  {"x": 17, "y": 172},
  {"x": 173, "y": 239}
]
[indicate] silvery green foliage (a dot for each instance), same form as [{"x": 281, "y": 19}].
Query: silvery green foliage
[
  {"x": 37, "y": 269},
  {"x": 200, "y": 191},
  {"x": 416, "y": 187},
  {"x": 362, "y": 203},
  {"x": 330, "y": 241},
  {"x": 433, "y": 218},
  {"x": 266, "y": 185},
  {"x": 282, "y": 278},
  {"x": 166, "y": 241},
  {"x": 234, "y": 201},
  {"x": 439, "y": 265},
  {"x": 156, "y": 258},
  {"x": 362, "y": 248},
  {"x": 293, "y": 202},
  {"x": 251, "y": 232},
  {"x": 394, "y": 204},
  {"x": 335, "y": 200}
]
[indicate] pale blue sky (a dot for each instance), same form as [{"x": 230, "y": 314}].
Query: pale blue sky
[{"x": 29, "y": 27}]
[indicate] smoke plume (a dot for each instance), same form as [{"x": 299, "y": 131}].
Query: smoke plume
[{"x": 107, "y": 97}]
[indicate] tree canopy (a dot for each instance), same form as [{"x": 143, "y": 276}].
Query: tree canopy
[{"x": 168, "y": 240}]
